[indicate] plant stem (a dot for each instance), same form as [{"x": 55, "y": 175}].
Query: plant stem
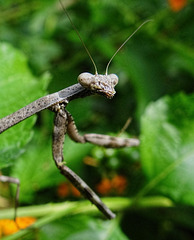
[{"x": 52, "y": 211}]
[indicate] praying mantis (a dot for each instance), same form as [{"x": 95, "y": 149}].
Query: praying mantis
[{"x": 88, "y": 84}]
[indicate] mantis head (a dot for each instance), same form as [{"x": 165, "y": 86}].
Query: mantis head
[{"x": 102, "y": 84}]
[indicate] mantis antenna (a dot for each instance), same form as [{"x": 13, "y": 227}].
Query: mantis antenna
[
  {"x": 67, "y": 14},
  {"x": 95, "y": 68},
  {"x": 106, "y": 72}
]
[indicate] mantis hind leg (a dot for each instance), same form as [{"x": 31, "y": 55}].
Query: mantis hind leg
[{"x": 17, "y": 182}]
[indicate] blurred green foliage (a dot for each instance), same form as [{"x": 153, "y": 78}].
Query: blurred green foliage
[{"x": 156, "y": 62}]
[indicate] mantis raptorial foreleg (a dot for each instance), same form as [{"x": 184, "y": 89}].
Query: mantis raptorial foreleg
[
  {"x": 59, "y": 131},
  {"x": 64, "y": 123},
  {"x": 17, "y": 182},
  {"x": 60, "y": 126},
  {"x": 98, "y": 139}
]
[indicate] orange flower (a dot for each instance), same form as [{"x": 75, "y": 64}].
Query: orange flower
[
  {"x": 177, "y": 5},
  {"x": 8, "y": 226},
  {"x": 63, "y": 190},
  {"x": 119, "y": 184},
  {"x": 90, "y": 161},
  {"x": 24, "y": 222},
  {"x": 116, "y": 185},
  {"x": 74, "y": 191},
  {"x": 66, "y": 189},
  {"x": 104, "y": 187}
]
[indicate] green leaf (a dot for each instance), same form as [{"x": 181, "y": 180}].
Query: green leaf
[
  {"x": 18, "y": 87},
  {"x": 167, "y": 146},
  {"x": 83, "y": 227},
  {"x": 38, "y": 160}
]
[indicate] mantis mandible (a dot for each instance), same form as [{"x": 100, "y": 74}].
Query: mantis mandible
[{"x": 88, "y": 84}]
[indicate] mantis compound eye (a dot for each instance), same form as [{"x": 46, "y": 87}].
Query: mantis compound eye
[
  {"x": 86, "y": 79},
  {"x": 114, "y": 79}
]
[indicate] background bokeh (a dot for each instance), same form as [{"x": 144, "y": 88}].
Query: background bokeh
[{"x": 155, "y": 69}]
